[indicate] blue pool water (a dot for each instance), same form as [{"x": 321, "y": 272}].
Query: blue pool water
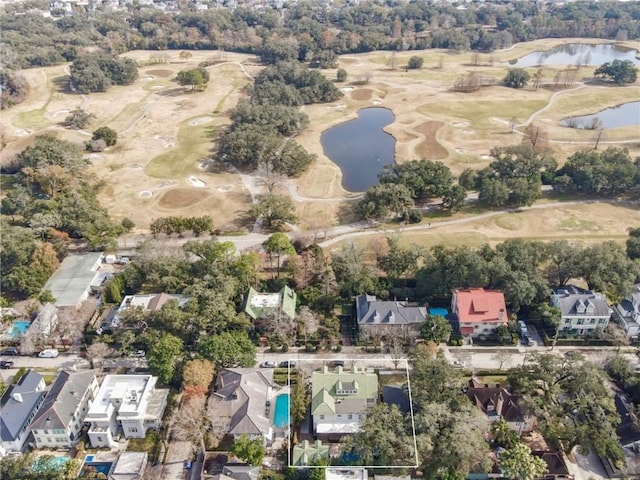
[
  {"x": 438, "y": 311},
  {"x": 89, "y": 458},
  {"x": 57, "y": 462},
  {"x": 100, "y": 467},
  {"x": 17, "y": 329},
  {"x": 281, "y": 416}
]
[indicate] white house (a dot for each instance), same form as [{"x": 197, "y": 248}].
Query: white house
[
  {"x": 152, "y": 302},
  {"x": 582, "y": 310},
  {"x": 627, "y": 313},
  {"x": 18, "y": 406},
  {"x": 129, "y": 403},
  {"x": 59, "y": 421},
  {"x": 339, "y": 400}
]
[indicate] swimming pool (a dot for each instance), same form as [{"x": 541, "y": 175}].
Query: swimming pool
[
  {"x": 281, "y": 416},
  {"x": 17, "y": 329},
  {"x": 443, "y": 312},
  {"x": 98, "y": 467},
  {"x": 56, "y": 461}
]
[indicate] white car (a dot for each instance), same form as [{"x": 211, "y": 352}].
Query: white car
[
  {"x": 458, "y": 363},
  {"x": 49, "y": 353},
  {"x": 138, "y": 353}
]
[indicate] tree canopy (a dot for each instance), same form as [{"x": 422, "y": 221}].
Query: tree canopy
[{"x": 619, "y": 71}]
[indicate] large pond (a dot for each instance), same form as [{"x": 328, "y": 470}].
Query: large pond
[
  {"x": 624, "y": 115},
  {"x": 577, "y": 53},
  {"x": 361, "y": 147}
]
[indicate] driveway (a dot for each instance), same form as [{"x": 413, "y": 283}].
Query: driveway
[{"x": 586, "y": 467}]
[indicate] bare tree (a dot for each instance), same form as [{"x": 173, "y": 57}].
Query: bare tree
[
  {"x": 308, "y": 322},
  {"x": 395, "y": 345},
  {"x": 200, "y": 420},
  {"x": 514, "y": 124},
  {"x": 269, "y": 177},
  {"x": 97, "y": 352},
  {"x": 537, "y": 77},
  {"x": 501, "y": 356},
  {"x": 598, "y": 138},
  {"x": 616, "y": 335}
]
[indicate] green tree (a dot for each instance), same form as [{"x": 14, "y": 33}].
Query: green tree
[
  {"x": 353, "y": 275},
  {"x": 164, "y": 355},
  {"x": 381, "y": 200},
  {"x": 436, "y": 329},
  {"x": 14, "y": 88},
  {"x": 503, "y": 436},
  {"x": 398, "y": 261},
  {"x": 425, "y": 179},
  {"x": 620, "y": 71},
  {"x": 493, "y": 192},
  {"x": 341, "y": 75},
  {"x": 620, "y": 370},
  {"x": 455, "y": 198},
  {"x": 78, "y": 119},
  {"x": 277, "y": 245},
  {"x": 196, "y": 78},
  {"x": 107, "y": 134},
  {"x": 384, "y": 437},
  {"x": 633, "y": 243},
  {"x": 518, "y": 463},
  {"x": 228, "y": 349},
  {"x": 606, "y": 268},
  {"x": 415, "y": 62},
  {"x": 516, "y": 78},
  {"x": 247, "y": 450},
  {"x": 275, "y": 210}
]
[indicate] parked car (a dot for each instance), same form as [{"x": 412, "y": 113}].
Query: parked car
[
  {"x": 528, "y": 341},
  {"x": 138, "y": 353},
  {"x": 10, "y": 351},
  {"x": 4, "y": 364},
  {"x": 49, "y": 353},
  {"x": 522, "y": 327},
  {"x": 268, "y": 365},
  {"x": 458, "y": 363},
  {"x": 287, "y": 363}
]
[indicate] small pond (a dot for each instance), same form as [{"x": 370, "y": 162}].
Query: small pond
[
  {"x": 577, "y": 53},
  {"x": 361, "y": 147},
  {"x": 624, "y": 115}
]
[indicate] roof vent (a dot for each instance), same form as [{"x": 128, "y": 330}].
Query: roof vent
[{"x": 17, "y": 397}]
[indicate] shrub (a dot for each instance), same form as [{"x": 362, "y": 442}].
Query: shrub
[{"x": 415, "y": 62}]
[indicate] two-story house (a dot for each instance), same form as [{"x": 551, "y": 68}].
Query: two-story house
[
  {"x": 152, "y": 302},
  {"x": 261, "y": 305},
  {"x": 582, "y": 310},
  {"x": 478, "y": 311},
  {"x": 59, "y": 421},
  {"x": 382, "y": 317},
  {"x": 245, "y": 399},
  {"x": 129, "y": 404},
  {"x": 18, "y": 406},
  {"x": 498, "y": 403},
  {"x": 339, "y": 400},
  {"x": 627, "y": 313}
]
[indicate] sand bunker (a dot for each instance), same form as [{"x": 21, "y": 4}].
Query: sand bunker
[
  {"x": 486, "y": 157},
  {"x": 167, "y": 183},
  {"x": 136, "y": 166},
  {"x": 205, "y": 165},
  {"x": 167, "y": 141},
  {"x": 148, "y": 77},
  {"x": 468, "y": 132},
  {"x": 376, "y": 102},
  {"x": 336, "y": 107},
  {"x": 92, "y": 156},
  {"x": 499, "y": 120},
  {"x": 548, "y": 120},
  {"x": 346, "y": 89},
  {"x": 460, "y": 150},
  {"x": 225, "y": 188},
  {"x": 461, "y": 124},
  {"x": 145, "y": 194},
  {"x": 22, "y": 132},
  {"x": 157, "y": 87},
  {"x": 196, "y": 182},
  {"x": 200, "y": 121}
]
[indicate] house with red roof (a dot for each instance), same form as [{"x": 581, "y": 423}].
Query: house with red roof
[{"x": 479, "y": 311}]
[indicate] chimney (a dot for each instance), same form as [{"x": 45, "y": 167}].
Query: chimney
[
  {"x": 499, "y": 404},
  {"x": 325, "y": 369},
  {"x": 17, "y": 397},
  {"x": 501, "y": 315},
  {"x": 339, "y": 370}
]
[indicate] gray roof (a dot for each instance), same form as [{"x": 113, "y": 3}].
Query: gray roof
[
  {"x": 241, "y": 472},
  {"x": 72, "y": 279},
  {"x": 629, "y": 307},
  {"x": 129, "y": 466},
  {"x": 62, "y": 400},
  {"x": 246, "y": 390},
  {"x": 571, "y": 299},
  {"x": 14, "y": 414},
  {"x": 370, "y": 311}
]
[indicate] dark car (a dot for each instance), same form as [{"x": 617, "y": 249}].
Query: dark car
[
  {"x": 10, "y": 351},
  {"x": 286, "y": 364},
  {"x": 4, "y": 364}
]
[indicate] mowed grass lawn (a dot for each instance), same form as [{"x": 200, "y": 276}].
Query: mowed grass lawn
[
  {"x": 193, "y": 143},
  {"x": 479, "y": 112}
]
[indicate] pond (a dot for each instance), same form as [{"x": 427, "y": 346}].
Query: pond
[
  {"x": 361, "y": 147},
  {"x": 624, "y": 115},
  {"x": 574, "y": 53}
]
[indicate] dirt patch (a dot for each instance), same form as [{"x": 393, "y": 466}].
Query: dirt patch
[
  {"x": 160, "y": 73},
  {"x": 196, "y": 182},
  {"x": 181, "y": 198},
  {"x": 200, "y": 121},
  {"x": 430, "y": 147},
  {"x": 362, "y": 94}
]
